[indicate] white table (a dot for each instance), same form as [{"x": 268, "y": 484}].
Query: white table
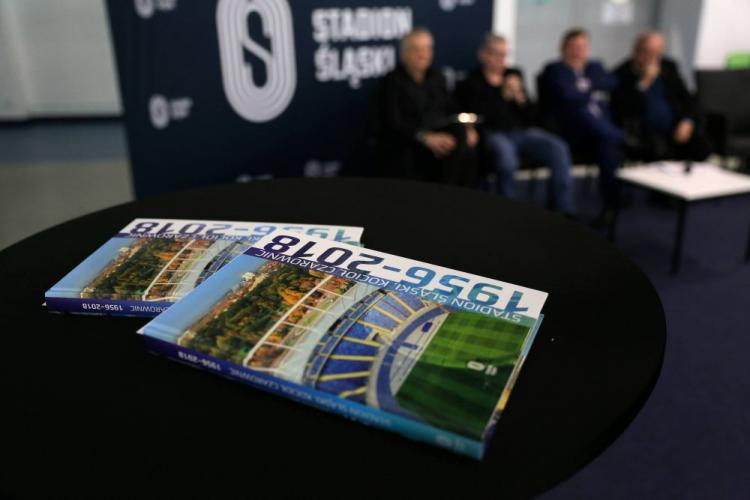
[{"x": 703, "y": 181}]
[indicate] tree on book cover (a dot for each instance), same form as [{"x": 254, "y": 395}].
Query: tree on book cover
[
  {"x": 152, "y": 263},
  {"x": 160, "y": 269}
]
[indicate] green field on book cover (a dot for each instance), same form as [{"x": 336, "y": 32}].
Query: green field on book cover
[{"x": 419, "y": 344}]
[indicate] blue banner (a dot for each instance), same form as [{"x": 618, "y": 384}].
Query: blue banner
[{"x": 237, "y": 90}]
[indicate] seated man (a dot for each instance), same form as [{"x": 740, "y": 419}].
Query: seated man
[
  {"x": 497, "y": 93},
  {"x": 653, "y": 104},
  {"x": 419, "y": 136},
  {"x": 575, "y": 91}
]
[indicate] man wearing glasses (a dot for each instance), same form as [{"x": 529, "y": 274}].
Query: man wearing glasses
[{"x": 497, "y": 93}]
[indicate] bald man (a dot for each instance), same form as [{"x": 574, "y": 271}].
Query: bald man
[
  {"x": 419, "y": 137},
  {"x": 653, "y": 105}
]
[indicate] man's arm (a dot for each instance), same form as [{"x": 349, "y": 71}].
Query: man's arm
[
  {"x": 563, "y": 89},
  {"x": 681, "y": 96},
  {"x": 681, "y": 101},
  {"x": 396, "y": 120},
  {"x": 522, "y": 107},
  {"x": 407, "y": 129},
  {"x": 601, "y": 79}
]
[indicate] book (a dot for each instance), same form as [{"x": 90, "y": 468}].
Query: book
[
  {"x": 152, "y": 263},
  {"x": 429, "y": 352}
]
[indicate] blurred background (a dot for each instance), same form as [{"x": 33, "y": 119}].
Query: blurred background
[
  {"x": 65, "y": 107},
  {"x": 103, "y": 102}
]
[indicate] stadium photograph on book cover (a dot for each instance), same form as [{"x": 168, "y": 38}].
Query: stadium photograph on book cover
[
  {"x": 156, "y": 269},
  {"x": 401, "y": 353},
  {"x": 152, "y": 263}
]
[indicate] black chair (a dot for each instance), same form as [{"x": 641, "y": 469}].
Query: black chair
[{"x": 724, "y": 97}]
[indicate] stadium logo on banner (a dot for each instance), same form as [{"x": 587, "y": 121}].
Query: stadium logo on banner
[
  {"x": 259, "y": 92},
  {"x": 158, "y": 110},
  {"x": 449, "y": 5},
  {"x": 163, "y": 111},
  {"x": 147, "y": 8}
]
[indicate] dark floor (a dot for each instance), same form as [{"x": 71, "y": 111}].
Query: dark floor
[{"x": 692, "y": 438}]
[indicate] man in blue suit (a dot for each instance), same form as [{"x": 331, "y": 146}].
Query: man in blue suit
[{"x": 574, "y": 92}]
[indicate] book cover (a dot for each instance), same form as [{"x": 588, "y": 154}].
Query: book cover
[
  {"x": 152, "y": 263},
  {"x": 426, "y": 351}
]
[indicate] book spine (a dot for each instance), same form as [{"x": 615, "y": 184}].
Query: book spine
[
  {"x": 102, "y": 307},
  {"x": 321, "y": 400}
]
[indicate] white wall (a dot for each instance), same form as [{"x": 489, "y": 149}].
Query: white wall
[
  {"x": 679, "y": 20},
  {"x": 541, "y": 23},
  {"x": 56, "y": 59},
  {"x": 504, "y": 19},
  {"x": 724, "y": 28},
  {"x": 13, "y": 98}
]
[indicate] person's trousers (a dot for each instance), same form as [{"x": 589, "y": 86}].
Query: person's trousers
[
  {"x": 538, "y": 147},
  {"x": 602, "y": 142}
]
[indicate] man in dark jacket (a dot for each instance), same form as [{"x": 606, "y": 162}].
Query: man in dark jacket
[
  {"x": 498, "y": 94},
  {"x": 654, "y": 106},
  {"x": 575, "y": 92},
  {"x": 419, "y": 137}
]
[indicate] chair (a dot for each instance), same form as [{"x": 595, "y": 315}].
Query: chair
[
  {"x": 738, "y": 60},
  {"x": 724, "y": 97}
]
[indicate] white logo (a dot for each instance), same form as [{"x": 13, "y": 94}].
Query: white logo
[
  {"x": 257, "y": 103},
  {"x": 162, "y": 110},
  {"x": 147, "y": 8},
  {"x": 158, "y": 108},
  {"x": 144, "y": 8},
  {"x": 244, "y": 178},
  {"x": 449, "y": 5},
  {"x": 315, "y": 168}
]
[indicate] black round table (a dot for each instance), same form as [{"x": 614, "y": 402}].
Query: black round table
[{"x": 88, "y": 411}]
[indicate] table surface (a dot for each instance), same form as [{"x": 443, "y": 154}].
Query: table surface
[
  {"x": 91, "y": 412},
  {"x": 704, "y": 180}
]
